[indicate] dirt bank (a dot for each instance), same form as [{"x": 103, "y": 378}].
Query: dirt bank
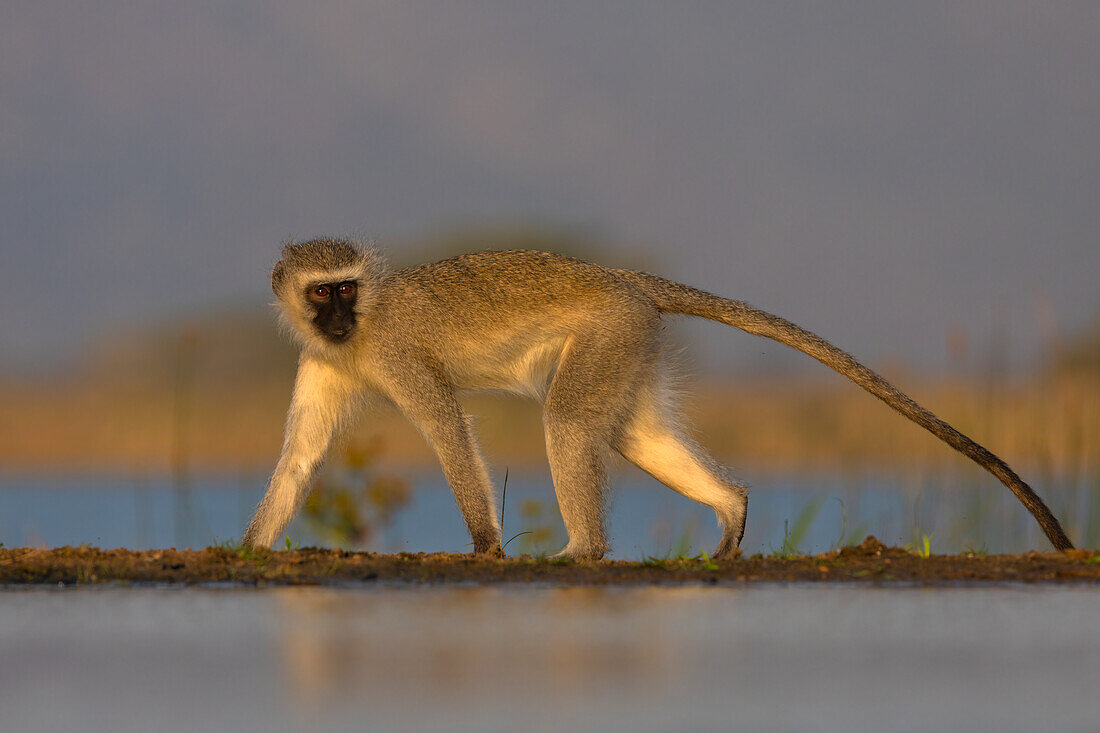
[{"x": 869, "y": 562}]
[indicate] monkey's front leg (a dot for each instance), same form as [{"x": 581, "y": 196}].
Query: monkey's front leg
[
  {"x": 321, "y": 401},
  {"x": 430, "y": 404}
]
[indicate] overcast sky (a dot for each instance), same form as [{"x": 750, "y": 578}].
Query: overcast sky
[{"x": 884, "y": 174}]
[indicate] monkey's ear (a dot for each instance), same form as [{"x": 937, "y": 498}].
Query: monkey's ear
[{"x": 278, "y": 276}]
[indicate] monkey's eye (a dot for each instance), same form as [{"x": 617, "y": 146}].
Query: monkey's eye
[
  {"x": 346, "y": 289},
  {"x": 322, "y": 291}
]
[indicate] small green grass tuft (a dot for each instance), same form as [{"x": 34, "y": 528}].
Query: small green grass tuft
[
  {"x": 922, "y": 546},
  {"x": 243, "y": 552},
  {"x": 981, "y": 550},
  {"x": 701, "y": 561},
  {"x": 793, "y": 537},
  {"x": 707, "y": 563}
]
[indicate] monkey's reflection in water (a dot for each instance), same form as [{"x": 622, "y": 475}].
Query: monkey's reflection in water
[{"x": 478, "y": 647}]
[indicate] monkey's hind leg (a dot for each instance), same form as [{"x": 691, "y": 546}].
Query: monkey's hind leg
[
  {"x": 656, "y": 444},
  {"x": 580, "y": 482},
  {"x": 590, "y": 392}
]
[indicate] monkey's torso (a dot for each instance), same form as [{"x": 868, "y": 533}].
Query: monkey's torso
[{"x": 448, "y": 314}]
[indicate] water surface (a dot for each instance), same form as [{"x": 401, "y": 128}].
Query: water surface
[{"x": 768, "y": 658}]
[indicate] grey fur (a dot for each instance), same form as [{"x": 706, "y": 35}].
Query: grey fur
[{"x": 584, "y": 339}]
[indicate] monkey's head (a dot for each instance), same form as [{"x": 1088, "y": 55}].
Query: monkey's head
[{"x": 324, "y": 288}]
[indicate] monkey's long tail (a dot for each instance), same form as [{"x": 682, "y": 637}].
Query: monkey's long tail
[{"x": 673, "y": 297}]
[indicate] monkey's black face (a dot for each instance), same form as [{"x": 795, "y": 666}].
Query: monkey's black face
[{"x": 334, "y": 309}]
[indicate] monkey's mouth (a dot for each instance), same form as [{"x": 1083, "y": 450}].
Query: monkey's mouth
[{"x": 337, "y": 335}]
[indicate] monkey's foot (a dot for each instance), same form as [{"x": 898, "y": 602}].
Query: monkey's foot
[
  {"x": 727, "y": 555},
  {"x": 488, "y": 546},
  {"x": 580, "y": 554},
  {"x": 727, "y": 550}
]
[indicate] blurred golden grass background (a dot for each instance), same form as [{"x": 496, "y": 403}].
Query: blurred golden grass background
[
  {"x": 212, "y": 394},
  {"x": 208, "y": 393}
]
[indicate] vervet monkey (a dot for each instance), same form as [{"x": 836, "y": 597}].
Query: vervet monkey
[{"x": 583, "y": 339}]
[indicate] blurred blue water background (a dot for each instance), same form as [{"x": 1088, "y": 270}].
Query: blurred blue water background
[{"x": 964, "y": 512}]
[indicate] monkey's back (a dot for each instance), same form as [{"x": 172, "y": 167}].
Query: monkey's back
[
  {"x": 501, "y": 319},
  {"x": 479, "y": 287}
]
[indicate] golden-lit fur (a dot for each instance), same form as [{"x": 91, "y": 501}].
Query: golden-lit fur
[{"x": 583, "y": 339}]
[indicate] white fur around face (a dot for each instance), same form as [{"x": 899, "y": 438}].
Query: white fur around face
[{"x": 296, "y": 315}]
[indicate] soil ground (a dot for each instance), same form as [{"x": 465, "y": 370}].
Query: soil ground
[{"x": 869, "y": 562}]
